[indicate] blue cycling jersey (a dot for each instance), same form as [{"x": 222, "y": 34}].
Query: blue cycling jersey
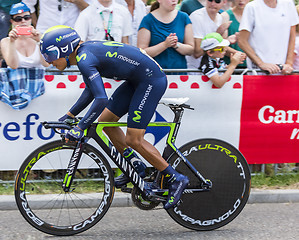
[{"x": 138, "y": 95}]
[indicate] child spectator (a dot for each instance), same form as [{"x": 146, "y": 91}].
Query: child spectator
[{"x": 214, "y": 47}]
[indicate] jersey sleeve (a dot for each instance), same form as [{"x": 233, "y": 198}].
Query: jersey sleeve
[{"x": 87, "y": 64}]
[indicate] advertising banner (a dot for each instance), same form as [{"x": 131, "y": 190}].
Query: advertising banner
[
  {"x": 269, "y": 119},
  {"x": 257, "y": 114}
]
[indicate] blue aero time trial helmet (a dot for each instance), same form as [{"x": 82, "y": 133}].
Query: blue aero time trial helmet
[{"x": 58, "y": 42}]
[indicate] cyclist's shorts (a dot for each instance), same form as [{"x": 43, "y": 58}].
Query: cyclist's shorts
[{"x": 139, "y": 101}]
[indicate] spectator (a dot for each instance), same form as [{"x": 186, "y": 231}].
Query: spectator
[
  {"x": 204, "y": 21},
  {"x": 23, "y": 80},
  {"x": 105, "y": 20},
  {"x": 189, "y": 6},
  {"x": 138, "y": 11},
  {"x": 166, "y": 35},
  {"x": 228, "y": 5},
  {"x": 234, "y": 15},
  {"x": 22, "y": 51},
  {"x": 296, "y": 52},
  {"x": 55, "y": 12},
  {"x": 214, "y": 47},
  {"x": 267, "y": 35}
]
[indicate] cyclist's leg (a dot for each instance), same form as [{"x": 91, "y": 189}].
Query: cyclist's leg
[
  {"x": 117, "y": 106},
  {"x": 135, "y": 138},
  {"x": 115, "y": 134},
  {"x": 143, "y": 105}
]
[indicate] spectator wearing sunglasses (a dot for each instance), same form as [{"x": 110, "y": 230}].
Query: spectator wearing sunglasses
[
  {"x": 206, "y": 20},
  {"x": 20, "y": 49},
  {"x": 55, "y": 12},
  {"x": 267, "y": 35},
  {"x": 215, "y": 47},
  {"x": 105, "y": 20}
]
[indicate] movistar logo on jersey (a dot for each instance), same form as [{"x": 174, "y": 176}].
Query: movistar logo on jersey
[
  {"x": 109, "y": 54},
  {"x": 138, "y": 117},
  {"x": 113, "y": 44},
  {"x": 121, "y": 57},
  {"x": 78, "y": 58}
]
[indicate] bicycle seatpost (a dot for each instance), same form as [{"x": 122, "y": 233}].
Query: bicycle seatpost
[{"x": 178, "y": 111}]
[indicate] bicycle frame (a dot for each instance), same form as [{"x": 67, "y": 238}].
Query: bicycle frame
[{"x": 96, "y": 131}]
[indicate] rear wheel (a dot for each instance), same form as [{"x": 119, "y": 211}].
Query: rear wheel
[
  {"x": 227, "y": 169},
  {"x": 42, "y": 201}
]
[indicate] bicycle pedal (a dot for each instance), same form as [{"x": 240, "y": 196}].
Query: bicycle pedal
[{"x": 125, "y": 189}]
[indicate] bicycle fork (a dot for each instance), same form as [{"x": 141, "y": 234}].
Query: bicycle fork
[{"x": 72, "y": 166}]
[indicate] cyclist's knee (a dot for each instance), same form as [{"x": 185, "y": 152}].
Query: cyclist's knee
[
  {"x": 134, "y": 137},
  {"x": 108, "y": 116}
]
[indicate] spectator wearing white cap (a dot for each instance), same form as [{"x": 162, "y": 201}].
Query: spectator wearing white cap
[
  {"x": 20, "y": 49},
  {"x": 215, "y": 47}
]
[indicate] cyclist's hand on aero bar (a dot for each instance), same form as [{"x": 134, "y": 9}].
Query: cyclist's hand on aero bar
[
  {"x": 67, "y": 119},
  {"x": 74, "y": 135}
]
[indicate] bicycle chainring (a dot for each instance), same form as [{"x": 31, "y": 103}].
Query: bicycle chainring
[{"x": 140, "y": 202}]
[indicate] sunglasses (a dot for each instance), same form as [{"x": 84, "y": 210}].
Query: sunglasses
[
  {"x": 216, "y": 1},
  {"x": 19, "y": 18},
  {"x": 221, "y": 49}
]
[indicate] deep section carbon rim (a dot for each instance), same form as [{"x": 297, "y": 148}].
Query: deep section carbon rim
[
  {"x": 42, "y": 201},
  {"x": 229, "y": 173}
]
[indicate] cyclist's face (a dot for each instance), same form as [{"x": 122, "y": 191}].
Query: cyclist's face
[{"x": 60, "y": 64}]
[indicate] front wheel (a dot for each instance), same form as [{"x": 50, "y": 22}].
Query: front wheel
[
  {"x": 227, "y": 169},
  {"x": 42, "y": 200}
]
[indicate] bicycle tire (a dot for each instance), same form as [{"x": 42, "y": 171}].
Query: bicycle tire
[
  {"x": 42, "y": 201},
  {"x": 229, "y": 173}
]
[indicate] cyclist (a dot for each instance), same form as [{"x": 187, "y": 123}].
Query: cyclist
[{"x": 144, "y": 85}]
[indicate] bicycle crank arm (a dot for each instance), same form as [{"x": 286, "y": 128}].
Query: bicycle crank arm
[{"x": 193, "y": 190}]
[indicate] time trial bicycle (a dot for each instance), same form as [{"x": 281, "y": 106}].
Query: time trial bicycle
[{"x": 66, "y": 188}]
